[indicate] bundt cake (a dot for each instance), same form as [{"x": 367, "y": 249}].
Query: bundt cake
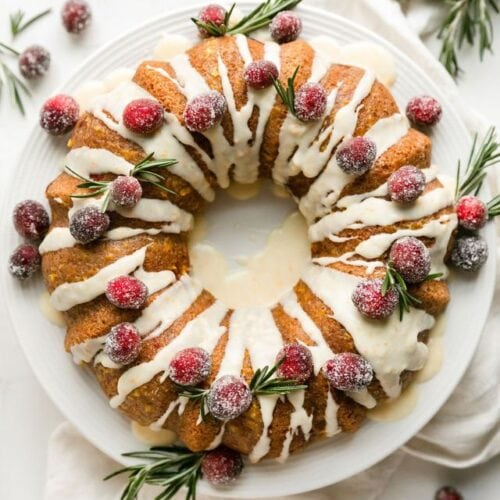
[{"x": 352, "y": 220}]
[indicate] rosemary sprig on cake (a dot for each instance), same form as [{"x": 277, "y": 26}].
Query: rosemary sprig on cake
[
  {"x": 18, "y": 24},
  {"x": 264, "y": 382},
  {"x": 287, "y": 94}
]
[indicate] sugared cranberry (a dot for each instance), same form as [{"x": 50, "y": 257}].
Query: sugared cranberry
[
  {"x": 143, "y": 116},
  {"x": 204, "y": 111},
  {"x": 76, "y": 15},
  {"x": 34, "y": 62},
  {"x": 472, "y": 213},
  {"x": 222, "y": 465},
  {"x": 310, "y": 102},
  {"x": 411, "y": 258},
  {"x": 469, "y": 253},
  {"x": 31, "y": 220},
  {"x": 424, "y": 110},
  {"x": 356, "y": 155},
  {"x": 59, "y": 114},
  {"x": 370, "y": 301},
  {"x": 211, "y": 14},
  {"x": 229, "y": 397},
  {"x": 296, "y": 363},
  {"x": 87, "y": 224},
  {"x": 285, "y": 27},
  {"x": 348, "y": 372},
  {"x": 25, "y": 261},
  {"x": 260, "y": 74},
  {"x": 406, "y": 184},
  {"x": 123, "y": 343},
  {"x": 127, "y": 292},
  {"x": 190, "y": 366},
  {"x": 125, "y": 191},
  {"x": 448, "y": 493}
]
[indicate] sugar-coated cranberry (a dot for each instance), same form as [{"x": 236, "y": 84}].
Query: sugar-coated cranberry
[
  {"x": 285, "y": 27},
  {"x": 310, "y": 102},
  {"x": 25, "y": 261},
  {"x": 88, "y": 224},
  {"x": 469, "y": 253},
  {"x": 211, "y": 14},
  {"x": 261, "y": 74},
  {"x": 76, "y": 16},
  {"x": 221, "y": 466},
  {"x": 448, "y": 493},
  {"x": 31, "y": 220},
  {"x": 229, "y": 397},
  {"x": 356, "y": 156},
  {"x": 472, "y": 213},
  {"x": 143, "y": 116},
  {"x": 190, "y": 366},
  {"x": 296, "y": 363},
  {"x": 348, "y": 372},
  {"x": 406, "y": 184},
  {"x": 370, "y": 301},
  {"x": 59, "y": 114},
  {"x": 127, "y": 292},
  {"x": 123, "y": 343},
  {"x": 34, "y": 62},
  {"x": 204, "y": 111},
  {"x": 424, "y": 110},
  {"x": 125, "y": 191},
  {"x": 411, "y": 258}
]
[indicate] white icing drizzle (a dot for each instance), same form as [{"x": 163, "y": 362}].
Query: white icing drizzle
[
  {"x": 85, "y": 351},
  {"x": 217, "y": 439},
  {"x": 332, "y": 426},
  {"x": 179, "y": 403}
]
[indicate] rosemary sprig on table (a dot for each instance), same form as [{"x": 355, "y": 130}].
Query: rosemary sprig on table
[
  {"x": 16, "y": 21},
  {"x": 287, "y": 95},
  {"x": 14, "y": 84},
  {"x": 494, "y": 206}
]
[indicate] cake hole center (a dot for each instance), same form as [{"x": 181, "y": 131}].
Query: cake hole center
[{"x": 250, "y": 246}]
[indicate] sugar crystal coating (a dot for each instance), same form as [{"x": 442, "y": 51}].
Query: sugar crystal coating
[
  {"x": 190, "y": 366},
  {"x": 59, "y": 114},
  {"x": 424, "y": 110},
  {"x": 143, "y": 116},
  {"x": 25, "y": 261},
  {"x": 370, "y": 301},
  {"x": 285, "y": 27},
  {"x": 411, "y": 258},
  {"x": 356, "y": 156},
  {"x": 348, "y": 372},
  {"x": 126, "y": 292},
  {"x": 229, "y": 397},
  {"x": 125, "y": 191},
  {"x": 260, "y": 74},
  {"x": 297, "y": 363},
  {"x": 31, "y": 220},
  {"x": 204, "y": 111},
  {"x": 76, "y": 16},
  {"x": 310, "y": 102},
  {"x": 406, "y": 184},
  {"x": 472, "y": 213},
  {"x": 88, "y": 224},
  {"x": 211, "y": 14},
  {"x": 34, "y": 62},
  {"x": 123, "y": 343},
  {"x": 221, "y": 466},
  {"x": 469, "y": 253}
]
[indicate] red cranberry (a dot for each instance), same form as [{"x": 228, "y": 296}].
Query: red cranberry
[
  {"x": 411, "y": 258},
  {"x": 123, "y": 343},
  {"x": 469, "y": 253},
  {"x": 229, "y": 397},
  {"x": 25, "y": 261},
  {"x": 310, "y": 102},
  {"x": 406, "y": 184},
  {"x": 472, "y": 213},
  {"x": 143, "y": 116},
  {"x": 356, "y": 156},
  {"x": 31, "y": 220},
  {"x": 190, "y": 366},
  {"x": 370, "y": 302},
  {"x": 127, "y": 292},
  {"x": 261, "y": 74},
  {"x": 204, "y": 111},
  {"x": 59, "y": 114},
  {"x": 88, "y": 224},
  {"x": 125, "y": 191},
  {"x": 297, "y": 363},
  {"x": 34, "y": 62},
  {"x": 211, "y": 14},
  {"x": 348, "y": 372},
  {"x": 423, "y": 110},
  {"x": 222, "y": 465},
  {"x": 285, "y": 27},
  {"x": 76, "y": 15},
  {"x": 448, "y": 493}
]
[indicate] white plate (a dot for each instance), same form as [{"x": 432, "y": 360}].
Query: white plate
[{"x": 75, "y": 391}]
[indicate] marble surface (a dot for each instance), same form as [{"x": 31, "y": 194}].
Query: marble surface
[{"x": 27, "y": 416}]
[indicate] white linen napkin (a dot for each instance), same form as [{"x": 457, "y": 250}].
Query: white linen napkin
[{"x": 465, "y": 432}]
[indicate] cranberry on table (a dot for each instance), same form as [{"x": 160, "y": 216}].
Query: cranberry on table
[
  {"x": 204, "y": 111},
  {"x": 406, "y": 184},
  {"x": 356, "y": 156},
  {"x": 127, "y": 292},
  {"x": 469, "y": 253},
  {"x": 285, "y": 27},
  {"x": 370, "y": 301},
  {"x": 25, "y": 261},
  {"x": 221, "y": 466},
  {"x": 76, "y": 16},
  {"x": 261, "y": 74},
  {"x": 310, "y": 102},
  {"x": 211, "y": 14},
  {"x": 31, "y": 220},
  {"x": 411, "y": 258},
  {"x": 88, "y": 224},
  {"x": 472, "y": 213},
  {"x": 348, "y": 372},
  {"x": 448, "y": 493},
  {"x": 123, "y": 343},
  {"x": 229, "y": 397},
  {"x": 424, "y": 110},
  {"x": 296, "y": 363},
  {"x": 190, "y": 366},
  {"x": 143, "y": 116},
  {"x": 125, "y": 191},
  {"x": 59, "y": 114},
  {"x": 34, "y": 62}
]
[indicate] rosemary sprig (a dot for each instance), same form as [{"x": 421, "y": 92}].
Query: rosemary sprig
[
  {"x": 213, "y": 29},
  {"x": 16, "y": 21},
  {"x": 494, "y": 207},
  {"x": 15, "y": 86},
  {"x": 264, "y": 383},
  {"x": 169, "y": 467},
  {"x": 196, "y": 394},
  {"x": 287, "y": 95},
  {"x": 9, "y": 49}
]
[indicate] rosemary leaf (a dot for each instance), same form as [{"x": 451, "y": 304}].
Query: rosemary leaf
[
  {"x": 494, "y": 207},
  {"x": 287, "y": 95},
  {"x": 16, "y": 21}
]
